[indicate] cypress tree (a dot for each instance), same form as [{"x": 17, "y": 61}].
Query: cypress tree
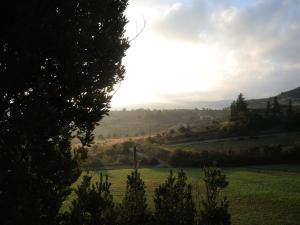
[
  {"x": 93, "y": 204},
  {"x": 276, "y": 108},
  {"x": 241, "y": 104},
  {"x": 173, "y": 202},
  {"x": 133, "y": 209},
  {"x": 214, "y": 210}
]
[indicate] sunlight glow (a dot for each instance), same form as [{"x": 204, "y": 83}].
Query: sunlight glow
[{"x": 194, "y": 51}]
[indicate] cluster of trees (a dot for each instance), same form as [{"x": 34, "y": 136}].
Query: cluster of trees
[
  {"x": 285, "y": 116},
  {"x": 269, "y": 154},
  {"x": 245, "y": 120},
  {"x": 173, "y": 202}
]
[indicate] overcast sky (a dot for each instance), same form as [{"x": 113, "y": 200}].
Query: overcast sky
[{"x": 197, "y": 50}]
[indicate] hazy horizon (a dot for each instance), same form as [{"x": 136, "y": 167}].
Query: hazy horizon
[{"x": 209, "y": 51}]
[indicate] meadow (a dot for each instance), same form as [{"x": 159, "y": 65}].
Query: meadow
[{"x": 259, "y": 195}]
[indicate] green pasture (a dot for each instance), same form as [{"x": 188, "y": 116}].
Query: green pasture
[{"x": 262, "y": 195}]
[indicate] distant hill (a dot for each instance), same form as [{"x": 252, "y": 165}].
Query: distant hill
[
  {"x": 220, "y": 104},
  {"x": 283, "y": 99},
  {"x": 147, "y": 122},
  {"x": 158, "y": 117}
]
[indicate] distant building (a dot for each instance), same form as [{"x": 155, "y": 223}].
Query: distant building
[{"x": 206, "y": 118}]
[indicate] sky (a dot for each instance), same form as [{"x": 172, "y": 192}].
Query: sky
[{"x": 209, "y": 50}]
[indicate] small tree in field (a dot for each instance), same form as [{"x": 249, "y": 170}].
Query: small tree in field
[
  {"x": 213, "y": 210},
  {"x": 173, "y": 202},
  {"x": 93, "y": 204},
  {"x": 133, "y": 209}
]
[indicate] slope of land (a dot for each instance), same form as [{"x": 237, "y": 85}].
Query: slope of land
[
  {"x": 283, "y": 98},
  {"x": 148, "y": 122}
]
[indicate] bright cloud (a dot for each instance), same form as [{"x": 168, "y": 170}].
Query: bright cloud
[{"x": 214, "y": 48}]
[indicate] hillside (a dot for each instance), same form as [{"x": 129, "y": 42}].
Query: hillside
[
  {"x": 283, "y": 99},
  {"x": 147, "y": 122},
  {"x": 138, "y": 122}
]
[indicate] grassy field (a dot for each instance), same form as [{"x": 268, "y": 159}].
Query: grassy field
[
  {"x": 262, "y": 195},
  {"x": 286, "y": 139}
]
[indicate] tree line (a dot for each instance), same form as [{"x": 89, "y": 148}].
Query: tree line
[
  {"x": 174, "y": 203},
  {"x": 265, "y": 155},
  {"x": 275, "y": 116}
]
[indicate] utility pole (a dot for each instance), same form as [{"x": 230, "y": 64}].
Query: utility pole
[{"x": 135, "y": 160}]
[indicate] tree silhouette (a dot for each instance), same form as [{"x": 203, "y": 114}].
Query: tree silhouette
[
  {"x": 59, "y": 61},
  {"x": 241, "y": 104},
  {"x": 290, "y": 110},
  {"x": 133, "y": 209},
  {"x": 276, "y": 108},
  {"x": 173, "y": 202},
  {"x": 233, "y": 111},
  {"x": 268, "y": 109},
  {"x": 214, "y": 210},
  {"x": 93, "y": 204},
  {"x": 238, "y": 107}
]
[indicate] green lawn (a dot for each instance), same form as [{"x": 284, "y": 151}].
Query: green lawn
[{"x": 262, "y": 195}]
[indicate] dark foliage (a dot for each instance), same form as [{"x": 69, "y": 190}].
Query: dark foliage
[
  {"x": 173, "y": 201},
  {"x": 238, "y": 107},
  {"x": 275, "y": 116},
  {"x": 59, "y": 61},
  {"x": 270, "y": 154},
  {"x": 93, "y": 204},
  {"x": 276, "y": 108},
  {"x": 133, "y": 209},
  {"x": 214, "y": 209}
]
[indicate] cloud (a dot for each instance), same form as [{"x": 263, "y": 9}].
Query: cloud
[
  {"x": 263, "y": 37},
  {"x": 183, "y": 21},
  {"x": 212, "y": 49}
]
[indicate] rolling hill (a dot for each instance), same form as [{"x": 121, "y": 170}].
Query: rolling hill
[{"x": 283, "y": 98}]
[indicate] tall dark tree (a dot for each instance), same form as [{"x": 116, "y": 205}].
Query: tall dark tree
[
  {"x": 292, "y": 120},
  {"x": 233, "y": 111},
  {"x": 238, "y": 108},
  {"x": 173, "y": 201},
  {"x": 59, "y": 61},
  {"x": 290, "y": 110},
  {"x": 241, "y": 104},
  {"x": 268, "y": 109},
  {"x": 276, "y": 108}
]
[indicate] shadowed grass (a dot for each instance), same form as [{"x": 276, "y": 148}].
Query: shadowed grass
[{"x": 262, "y": 195}]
